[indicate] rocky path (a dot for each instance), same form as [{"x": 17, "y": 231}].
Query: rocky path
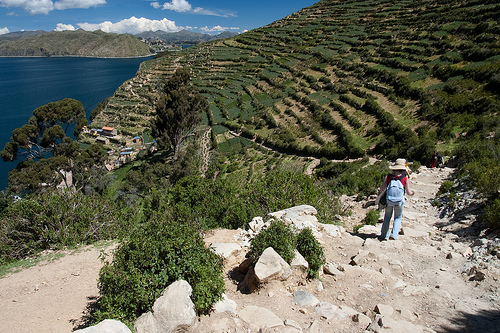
[
  {"x": 415, "y": 284},
  {"x": 418, "y": 283}
]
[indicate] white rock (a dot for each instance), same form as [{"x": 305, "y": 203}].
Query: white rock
[
  {"x": 329, "y": 268},
  {"x": 225, "y": 305},
  {"x": 384, "y": 310},
  {"x": 106, "y": 326},
  {"x": 270, "y": 265},
  {"x": 173, "y": 311},
  {"x": 331, "y": 230},
  {"x": 304, "y": 298},
  {"x": 260, "y": 318},
  {"x": 299, "y": 262},
  {"x": 225, "y": 249}
]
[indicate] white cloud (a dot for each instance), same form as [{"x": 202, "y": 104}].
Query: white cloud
[
  {"x": 217, "y": 28},
  {"x": 4, "y": 31},
  {"x": 185, "y": 7},
  {"x": 68, "y": 4},
  {"x": 132, "y": 25},
  {"x": 203, "y": 11},
  {"x": 175, "y": 5},
  {"x": 35, "y": 7},
  {"x": 64, "y": 27}
]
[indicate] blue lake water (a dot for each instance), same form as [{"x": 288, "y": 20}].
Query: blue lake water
[{"x": 27, "y": 83}]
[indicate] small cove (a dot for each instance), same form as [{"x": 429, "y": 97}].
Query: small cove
[{"x": 29, "y": 82}]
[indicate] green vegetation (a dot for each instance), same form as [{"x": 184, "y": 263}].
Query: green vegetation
[
  {"x": 178, "y": 111},
  {"x": 372, "y": 217},
  {"x": 44, "y": 128},
  {"x": 312, "y": 251},
  {"x": 284, "y": 240},
  {"x": 157, "y": 254},
  {"x": 55, "y": 221},
  {"x": 279, "y": 236}
]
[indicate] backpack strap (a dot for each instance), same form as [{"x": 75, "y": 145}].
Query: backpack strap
[{"x": 402, "y": 178}]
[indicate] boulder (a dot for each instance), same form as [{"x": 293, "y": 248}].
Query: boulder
[
  {"x": 300, "y": 217},
  {"x": 294, "y": 212},
  {"x": 331, "y": 230},
  {"x": 330, "y": 268},
  {"x": 304, "y": 298},
  {"x": 384, "y": 310},
  {"x": 172, "y": 312},
  {"x": 225, "y": 305},
  {"x": 271, "y": 266},
  {"x": 299, "y": 262},
  {"x": 260, "y": 318},
  {"x": 329, "y": 311},
  {"x": 362, "y": 319},
  {"x": 106, "y": 326},
  {"x": 256, "y": 224},
  {"x": 225, "y": 249}
]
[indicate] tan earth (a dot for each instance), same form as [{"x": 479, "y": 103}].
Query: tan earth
[{"x": 419, "y": 276}]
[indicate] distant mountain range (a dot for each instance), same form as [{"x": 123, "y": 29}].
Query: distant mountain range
[
  {"x": 183, "y": 36},
  {"x": 94, "y": 43}
]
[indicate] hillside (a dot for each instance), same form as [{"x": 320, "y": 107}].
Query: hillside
[
  {"x": 73, "y": 43},
  {"x": 341, "y": 80}
]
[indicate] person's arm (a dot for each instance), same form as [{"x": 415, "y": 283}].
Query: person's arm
[
  {"x": 384, "y": 185},
  {"x": 407, "y": 188}
]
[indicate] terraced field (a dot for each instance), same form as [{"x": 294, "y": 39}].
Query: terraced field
[{"x": 340, "y": 79}]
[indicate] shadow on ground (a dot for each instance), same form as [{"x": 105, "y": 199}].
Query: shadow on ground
[{"x": 485, "y": 321}]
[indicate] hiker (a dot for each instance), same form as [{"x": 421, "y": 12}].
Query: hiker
[{"x": 395, "y": 185}]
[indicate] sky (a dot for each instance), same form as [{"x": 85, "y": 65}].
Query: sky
[{"x": 135, "y": 16}]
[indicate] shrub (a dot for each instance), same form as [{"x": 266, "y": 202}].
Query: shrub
[
  {"x": 282, "y": 189},
  {"x": 309, "y": 247},
  {"x": 371, "y": 217},
  {"x": 57, "y": 220},
  {"x": 445, "y": 187},
  {"x": 156, "y": 255},
  {"x": 278, "y": 236},
  {"x": 415, "y": 166},
  {"x": 492, "y": 214}
]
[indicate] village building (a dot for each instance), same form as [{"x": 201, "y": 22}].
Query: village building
[
  {"x": 102, "y": 140},
  {"x": 109, "y": 131}
]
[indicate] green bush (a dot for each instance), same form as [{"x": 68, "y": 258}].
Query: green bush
[
  {"x": 351, "y": 178},
  {"x": 309, "y": 247},
  {"x": 57, "y": 220},
  {"x": 415, "y": 166},
  {"x": 277, "y": 235},
  {"x": 492, "y": 214},
  {"x": 281, "y": 189},
  {"x": 156, "y": 255},
  {"x": 371, "y": 217},
  {"x": 445, "y": 187}
]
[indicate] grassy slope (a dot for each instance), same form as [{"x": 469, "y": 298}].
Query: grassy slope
[
  {"x": 75, "y": 43},
  {"x": 300, "y": 84}
]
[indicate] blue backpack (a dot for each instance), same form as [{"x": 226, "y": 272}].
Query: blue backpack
[{"x": 396, "y": 190}]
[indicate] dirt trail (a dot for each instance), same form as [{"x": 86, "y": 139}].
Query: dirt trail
[{"x": 419, "y": 276}]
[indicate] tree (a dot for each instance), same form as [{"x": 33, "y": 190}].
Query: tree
[
  {"x": 43, "y": 130},
  {"x": 70, "y": 167},
  {"x": 178, "y": 111}
]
